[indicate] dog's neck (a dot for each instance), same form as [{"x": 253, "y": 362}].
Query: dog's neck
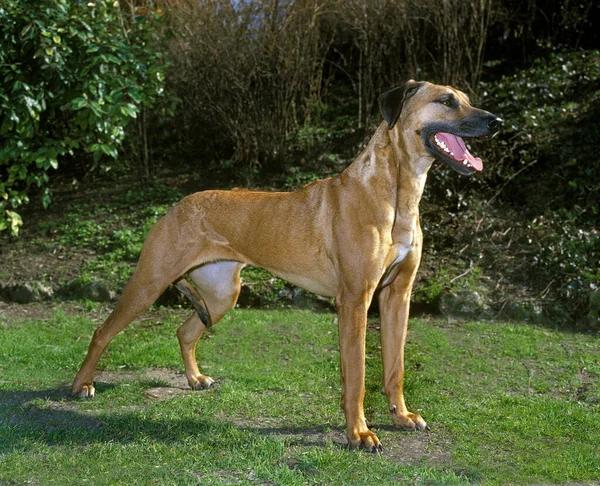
[
  {"x": 407, "y": 167},
  {"x": 386, "y": 168}
]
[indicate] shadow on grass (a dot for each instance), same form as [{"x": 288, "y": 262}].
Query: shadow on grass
[
  {"x": 10, "y": 398},
  {"x": 23, "y": 425},
  {"x": 58, "y": 421},
  {"x": 310, "y": 436}
]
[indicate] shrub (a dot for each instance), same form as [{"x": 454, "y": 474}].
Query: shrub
[
  {"x": 249, "y": 73},
  {"x": 547, "y": 166},
  {"x": 255, "y": 73},
  {"x": 550, "y": 133},
  {"x": 72, "y": 74}
]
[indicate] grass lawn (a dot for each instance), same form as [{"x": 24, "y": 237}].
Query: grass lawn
[{"x": 508, "y": 403}]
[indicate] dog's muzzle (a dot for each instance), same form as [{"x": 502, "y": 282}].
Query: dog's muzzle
[{"x": 444, "y": 140}]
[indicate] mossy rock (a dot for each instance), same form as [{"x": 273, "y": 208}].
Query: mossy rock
[
  {"x": 465, "y": 303},
  {"x": 25, "y": 293}
]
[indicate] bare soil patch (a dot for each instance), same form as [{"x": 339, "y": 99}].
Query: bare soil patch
[
  {"x": 10, "y": 311},
  {"x": 39, "y": 263},
  {"x": 171, "y": 383},
  {"x": 399, "y": 446},
  {"x": 412, "y": 447}
]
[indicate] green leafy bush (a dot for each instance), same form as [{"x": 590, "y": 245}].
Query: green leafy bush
[
  {"x": 72, "y": 75},
  {"x": 567, "y": 249},
  {"x": 548, "y": 166},
  {"x": 551, "y": 110}
]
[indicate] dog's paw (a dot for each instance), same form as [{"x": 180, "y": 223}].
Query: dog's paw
[
  {"x": 84, "y": 391},
  {"x": 366, "y": 441},
  {"x": 200, "y": 382},
  {"x": 409, "y": 421}
]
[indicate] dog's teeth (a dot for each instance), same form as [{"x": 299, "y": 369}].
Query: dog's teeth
[{"x": 441, "y": 144}]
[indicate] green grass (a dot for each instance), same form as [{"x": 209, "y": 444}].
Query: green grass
[{"x": 507, "y": 403}]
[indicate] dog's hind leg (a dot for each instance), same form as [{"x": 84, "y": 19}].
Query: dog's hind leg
[
  {"x": 158, "y": 267},
  {"x": 219, "y": 287},
  {"x": 139, "y": 294}
]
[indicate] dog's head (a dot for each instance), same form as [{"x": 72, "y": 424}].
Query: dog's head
[{"x": 438, "y": 118}]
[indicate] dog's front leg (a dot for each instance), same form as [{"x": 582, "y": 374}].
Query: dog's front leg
[
  {"x": 352, "y": 317},
  {"x": 394, "y": 302}
]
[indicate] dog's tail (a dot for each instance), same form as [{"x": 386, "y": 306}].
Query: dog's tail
[{"x": 196, "y": 299}]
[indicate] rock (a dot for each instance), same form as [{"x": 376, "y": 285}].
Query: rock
[
  {"x": 97, "y": 292},
  {"x": 286, "y": 295},
  {"x": 303, "y": 299},
  {"x": 594, "y": 307},
  {"x": 527, "y": 311},
  {"x": 307, "y": 300},
  {"x": 467, "y": 303},
  {"x": 28, "y": 292},
  {"x": 558, "y": 314},
  {"x": 591, "y": 320}
]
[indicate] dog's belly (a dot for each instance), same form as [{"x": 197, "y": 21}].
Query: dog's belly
[{"x": 318, "y": 283}]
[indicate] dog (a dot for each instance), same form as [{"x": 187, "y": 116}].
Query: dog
[{"x": 346, "y": 237}]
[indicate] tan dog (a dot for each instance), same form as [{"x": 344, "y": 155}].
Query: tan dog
[{"x": 344, "y": 237}]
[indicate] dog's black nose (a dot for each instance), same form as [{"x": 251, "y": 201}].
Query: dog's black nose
[{"x": 495, "y": 123}]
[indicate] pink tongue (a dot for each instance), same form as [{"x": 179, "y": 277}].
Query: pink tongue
[{"x": 458, "y": 148}]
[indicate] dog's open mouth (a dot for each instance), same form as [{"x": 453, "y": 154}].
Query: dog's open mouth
[{"x": 454, "y": 152}]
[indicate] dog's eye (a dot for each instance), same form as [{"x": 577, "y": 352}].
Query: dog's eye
[{"x": 446, "y": 101}]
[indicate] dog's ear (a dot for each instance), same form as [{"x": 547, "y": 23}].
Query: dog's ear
[{"x": 392, "y": 101}]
